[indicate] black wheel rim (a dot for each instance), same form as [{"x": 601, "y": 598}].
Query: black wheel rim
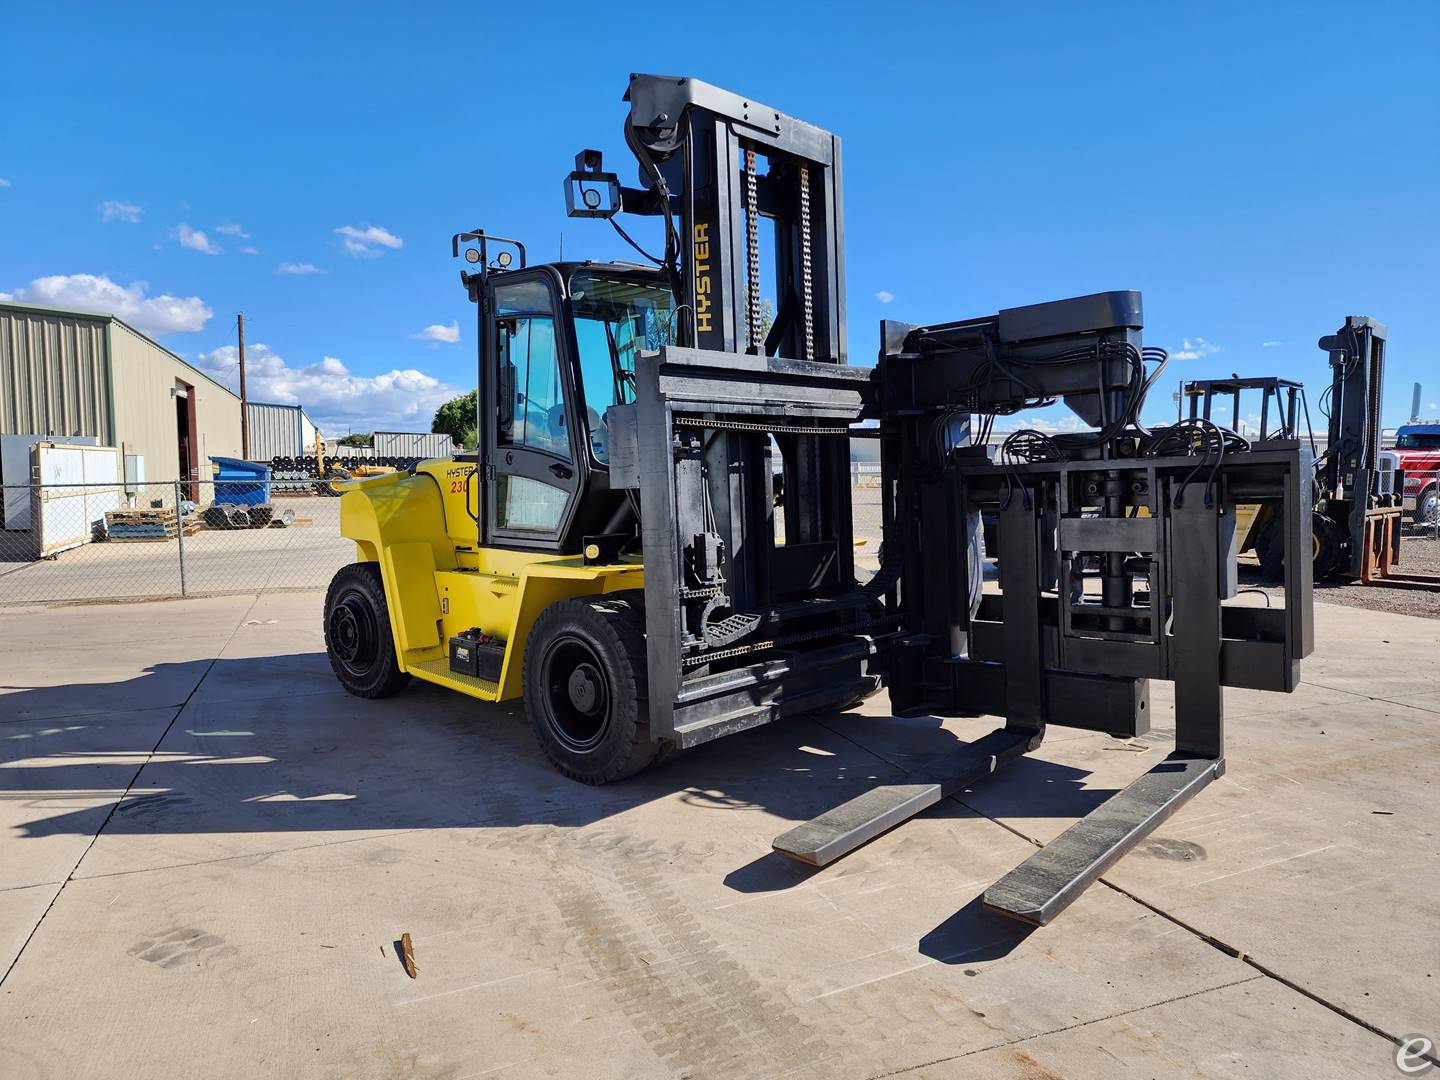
[
  {"x": 354, "y": 634},
  {"x": 577, "y": 694}
]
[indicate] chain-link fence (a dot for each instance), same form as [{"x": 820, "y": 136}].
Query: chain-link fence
[
  {"x": 1422, "y": 503},
  {"x": 131, "y": 541},
  {"x": 77, "y": 542},
  {"x": 127, "y": 541}
]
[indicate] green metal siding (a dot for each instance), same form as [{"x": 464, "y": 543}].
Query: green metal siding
[{"x": 54, "y": 374}]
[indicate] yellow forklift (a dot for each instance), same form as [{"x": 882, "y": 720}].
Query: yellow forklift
[
  {"x": 652, "y": 545},
  {"x": 333, "y": 477}
]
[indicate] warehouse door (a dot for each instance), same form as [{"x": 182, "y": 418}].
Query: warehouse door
[{"x": 186, "y": 445}]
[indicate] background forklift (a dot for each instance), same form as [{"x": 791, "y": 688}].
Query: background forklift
[
  {"x": 1358, "y": 494},
  {"x": 614, "y": 555}
]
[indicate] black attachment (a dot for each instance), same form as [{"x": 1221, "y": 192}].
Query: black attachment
[
  {"x": 590, "y": 192},
  {"x": 1116, "y": 552}
]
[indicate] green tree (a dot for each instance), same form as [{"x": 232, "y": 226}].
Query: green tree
[
  {"x": 456, "y": 418},
  {"x": 356, "y": 439},
  {"x": 767, "y": 316}
]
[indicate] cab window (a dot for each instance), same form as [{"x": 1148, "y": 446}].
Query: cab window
[
  {"x": 530, "y": 399},
  {"x": 616, "y": 316}
]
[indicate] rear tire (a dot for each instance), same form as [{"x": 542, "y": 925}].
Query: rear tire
[
  {"x": 586, "y": 689},
  {"x": 358, "y": 640},
  {"x": 1327, "y": 549}
]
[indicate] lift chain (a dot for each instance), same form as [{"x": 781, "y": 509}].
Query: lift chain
[
  {"x": 748, "y": 425},
  {"x": 752, "y": 254},
  {"x": 807, "y": 285},
  {"x": 703, "y": 593}
]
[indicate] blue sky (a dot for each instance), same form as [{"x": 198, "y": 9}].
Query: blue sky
[{"x": 1259, "y": 171}]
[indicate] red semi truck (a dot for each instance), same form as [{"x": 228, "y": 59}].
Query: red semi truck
[{"x": 1418, "y": 445}]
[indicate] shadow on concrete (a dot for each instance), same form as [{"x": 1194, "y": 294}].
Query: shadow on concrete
[
  {"x": 974, "y": 934},
  {"x": 271, "y": 744},
  {"x": 771, "y": 872}
]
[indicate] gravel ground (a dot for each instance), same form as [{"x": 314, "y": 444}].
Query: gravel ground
[{"x": 1418, "y": 555}]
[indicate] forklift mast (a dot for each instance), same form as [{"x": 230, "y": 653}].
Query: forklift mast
[
  {"x": 713, "y": 410},
  {"x": 1349, "y": 471},
  {"x": 701, "y": 150}
]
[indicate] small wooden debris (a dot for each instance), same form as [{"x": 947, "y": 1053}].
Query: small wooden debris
[{"x": 407, "y": 954}]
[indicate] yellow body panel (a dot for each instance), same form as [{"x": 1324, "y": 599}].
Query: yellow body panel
[
  {"x": 411, "y": 569},
  {"x": 439, "y": 583},
  {"x": 1249, "y": 517},
  {"x": 1246, "y": 514}
]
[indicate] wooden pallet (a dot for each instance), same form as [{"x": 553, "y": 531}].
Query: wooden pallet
[
  {"x": 147, "y": 516},
  {"x": 125, "y": 537}
]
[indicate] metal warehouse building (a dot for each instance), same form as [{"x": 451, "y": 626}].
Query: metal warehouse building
[
  {"x": 413, "y": 444},
  {"x": 279, "y": 431},
  {"x": 71, "y": 373}
]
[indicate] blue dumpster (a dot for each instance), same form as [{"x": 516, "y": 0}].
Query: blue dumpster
[{"x": 244, "y": 483}]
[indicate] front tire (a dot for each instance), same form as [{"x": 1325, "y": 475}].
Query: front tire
[
  {"x": 1427, "y": 507},
  {"x": 586, "y": 689},
  {"x": 358, "y": 640},
  {"x": 333, "y": 475}
]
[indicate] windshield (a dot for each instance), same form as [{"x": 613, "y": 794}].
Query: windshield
[
  {"x": 1419, "y": 440},
  {"x": 617, "y": 314}
]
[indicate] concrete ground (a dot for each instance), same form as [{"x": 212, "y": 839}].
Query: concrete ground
[{"x": 208, "y": 853}]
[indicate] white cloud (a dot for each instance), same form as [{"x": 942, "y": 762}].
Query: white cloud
[
  {"x": 196, "y": 240},
  {"x": 333, "y": 396},
  {"x": 1194, "y": 349},
  {"x": 115, "y": 210},
  {"x": 5, "y": 183},
  {"x": 164, "y": 314},
  {"x": 365, "y": 241},
  {"x": 884, "y": 297},
  {"x": 436, "y": 332},
  {"x": 231, "y": 229},
  {"x": 1270, "y": 344},
  {"x": 249, "y": 251},
  {"x": 298, "y": 268},
  {"x": 1041, "y": 424}
]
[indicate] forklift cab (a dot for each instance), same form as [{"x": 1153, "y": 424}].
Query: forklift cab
[{"x": 558, "y": 344}]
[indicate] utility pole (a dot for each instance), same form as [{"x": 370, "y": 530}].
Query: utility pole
[{"x": 244, "y": 409}]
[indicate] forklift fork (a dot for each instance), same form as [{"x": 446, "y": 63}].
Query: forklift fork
[{"x": 822, "y": 840}]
